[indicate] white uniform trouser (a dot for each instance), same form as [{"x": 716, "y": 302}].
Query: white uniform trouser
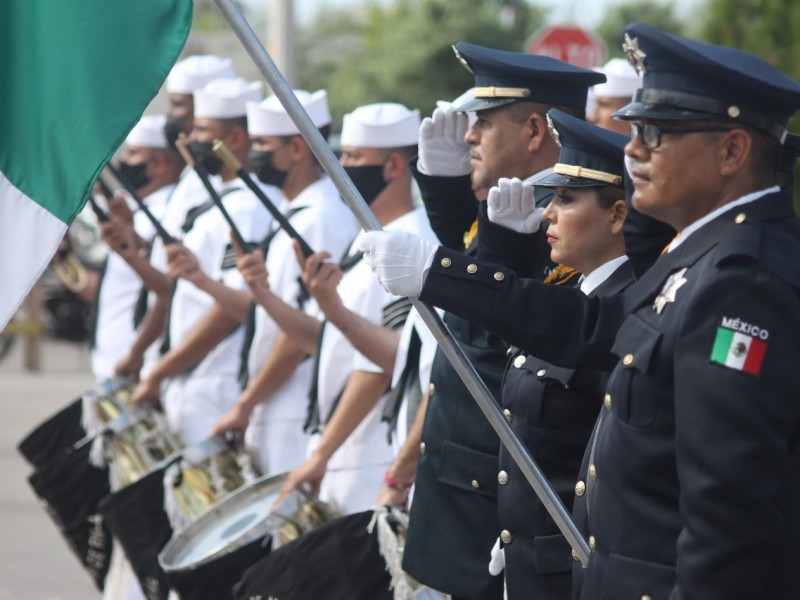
[
  {"x": 194, "y": 403},
  {"x": 276, "y": 446},
  {"x": 121, "y": 582},
  {"x": 352, "y": 490},
  {"x": 355, "y": 472}
]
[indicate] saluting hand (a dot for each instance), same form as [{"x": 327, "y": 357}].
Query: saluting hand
[
  {"x": 511, "y": 205},
  {"x": 442, "y": 150}
]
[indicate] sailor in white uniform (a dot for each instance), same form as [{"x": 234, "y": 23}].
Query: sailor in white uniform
[
  {"x": 272, "y": 408},
  {"x": 349, "y": 452},
  {"x": 193, "y": 401}
]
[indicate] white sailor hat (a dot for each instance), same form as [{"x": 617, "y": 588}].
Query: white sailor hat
[
  {"x": 148, "y": 132},
  {"x": 226, "y": 98},
  {"x": 193, "y": 73},
  {"x": 270, "y": 117},
  {"x": 383, "y": 125},
  {"x": 622, "y": 80}
]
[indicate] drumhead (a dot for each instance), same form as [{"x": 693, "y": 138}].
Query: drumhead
[{"x": 237, "y": 519}]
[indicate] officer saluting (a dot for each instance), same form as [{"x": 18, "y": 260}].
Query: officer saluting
[{"x": 694, "y": 473}]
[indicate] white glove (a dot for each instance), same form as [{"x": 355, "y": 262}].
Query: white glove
[
  {"x": 498, "y": 561},
  {"x": 511, "y": 205},
  {"x": 442, "y": 150},
  {"x": 400, "y": 260}
]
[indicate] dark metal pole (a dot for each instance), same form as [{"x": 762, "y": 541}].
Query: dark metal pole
[{"x": 447, "y": 343}]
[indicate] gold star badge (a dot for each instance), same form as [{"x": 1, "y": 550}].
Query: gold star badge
[
  {"x": 553, "y": 131},
  {"x": 671, "y": 287},
  {"x": 635, "y": 56}
]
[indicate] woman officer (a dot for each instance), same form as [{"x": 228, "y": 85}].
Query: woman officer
[{"x": 553, "y": 409}]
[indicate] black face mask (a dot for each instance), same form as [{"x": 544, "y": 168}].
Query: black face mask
[
  {"x": 262, "y": 166},
  {"x": 136, "y": 175},
  {"x": 203, "y": 153},
  {"x": 368, "y": 180},
  {"x": 173, "y": 128}
]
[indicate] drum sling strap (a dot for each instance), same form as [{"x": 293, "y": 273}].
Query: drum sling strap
[
  {"x": 313, "y": 419},
  {"x": 409, "y": 380},
  {"x": 250, "y": 321}
]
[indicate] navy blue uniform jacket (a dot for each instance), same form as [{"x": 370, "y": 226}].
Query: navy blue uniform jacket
[{"x": 696, "y": 466}]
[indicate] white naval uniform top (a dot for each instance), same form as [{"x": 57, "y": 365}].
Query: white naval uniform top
[
  {"x": 189, "y": 192},
  {"x": 118, "y": 294},
  {"x": 209, "y": 239},
  {"x": 366, "y": 449},
  {"x": 275, "y": 435}
]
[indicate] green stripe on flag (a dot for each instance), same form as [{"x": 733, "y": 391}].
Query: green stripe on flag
[
  {"x": 75, "y": 77},
  {"x": 722, "y": 345}
]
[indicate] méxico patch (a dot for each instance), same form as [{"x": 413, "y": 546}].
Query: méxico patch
[{"x": 740, "y": 345}]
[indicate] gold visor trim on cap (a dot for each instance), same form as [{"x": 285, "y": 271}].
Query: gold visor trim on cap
[
  {"x": 500, "y": 92},
  {"x": 576, "y": 171}
]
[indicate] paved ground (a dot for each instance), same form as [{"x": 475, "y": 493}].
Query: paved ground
[{"x": 35, "y": 561}]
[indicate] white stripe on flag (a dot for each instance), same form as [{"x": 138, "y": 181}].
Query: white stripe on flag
[
  {"x": 737, "y": 353},
  {"x": 29, "y": 236}
]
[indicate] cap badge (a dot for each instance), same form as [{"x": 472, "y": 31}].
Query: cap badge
[
  {"x": 462, "y": 60},
  {"x": 553, "y": 131},
  {"x": 635, "y": 56}
]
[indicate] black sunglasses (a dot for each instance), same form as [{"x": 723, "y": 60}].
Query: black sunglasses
[{"x": 651, "y": 132}]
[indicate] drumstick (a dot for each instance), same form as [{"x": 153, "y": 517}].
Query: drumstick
[
  {"x": 99, "y": 212},
  {"x": 186, "y": 153},
  {"x": 162, "y": 233},
  {"x": 221, "y": 150},
  {"x": 102, "y": 216}
]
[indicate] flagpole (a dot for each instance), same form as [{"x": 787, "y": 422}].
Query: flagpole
[{"x": 465, "y": 369}]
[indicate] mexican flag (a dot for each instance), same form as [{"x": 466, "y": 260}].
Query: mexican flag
[
  {"x": 75, "y": 77},
  {"x": 738, "y": 351}
]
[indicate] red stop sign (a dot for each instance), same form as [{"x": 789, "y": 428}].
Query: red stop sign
[{"x": 569, "y": 43}]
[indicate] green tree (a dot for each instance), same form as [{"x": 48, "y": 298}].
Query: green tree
[
  {"x": 400, "y": 51},
  {"x": 769, "y": 29},
  {"x": 658, "y": 13}
]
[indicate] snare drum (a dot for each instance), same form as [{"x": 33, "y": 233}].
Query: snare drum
[
  {"x": 243, "y": 516},
  {"x": 105, "y": 402},
  {"x": 136, "y": 442},
  {"x": 205, "y": 473},
  {"x": 233, "y": 533}
]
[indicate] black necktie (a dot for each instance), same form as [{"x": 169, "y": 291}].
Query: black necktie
[{"x": 408, "y": 380}]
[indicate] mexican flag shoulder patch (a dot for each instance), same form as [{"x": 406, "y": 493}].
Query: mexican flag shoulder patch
[{"x": 740, "y": 345}]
